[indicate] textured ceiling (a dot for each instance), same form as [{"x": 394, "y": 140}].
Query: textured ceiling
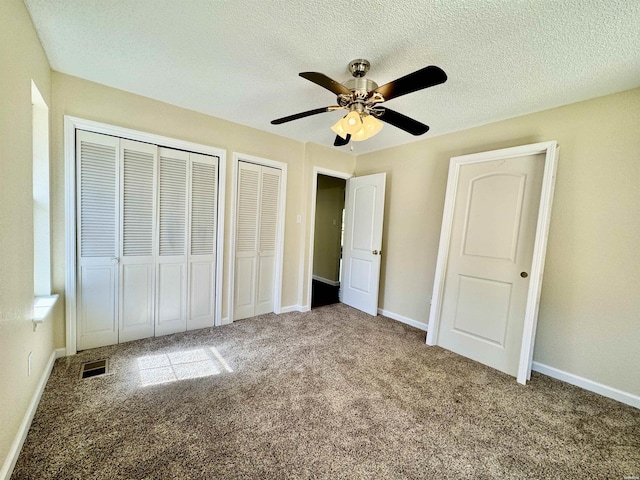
[{"x": 239, "y": 60}]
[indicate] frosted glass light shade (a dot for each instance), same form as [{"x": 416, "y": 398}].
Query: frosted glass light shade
[
  {"x": 370, "y": 126},
  {"x": 352, "y": 122},
  {"x": 339, "y": 130}
]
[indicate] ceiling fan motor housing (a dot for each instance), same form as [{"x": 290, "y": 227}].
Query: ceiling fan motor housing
[{"x": 359, "y": 67}]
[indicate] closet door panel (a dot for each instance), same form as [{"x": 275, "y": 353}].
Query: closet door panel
[
  {"x": 202, "y": 240},
  {"x": 268, "y": 231},
  {"x": 171, "y": 279},
  {"x": 97, "y": 312},
  {"x": 202, "y": 294},
  {"x": 171, "y": 299},
  {"x": 245, "y": 294},
  {"x": 98, "y": 248},
  {"x": 137, "y": 264},
  {"x": 246, "y": 268}
]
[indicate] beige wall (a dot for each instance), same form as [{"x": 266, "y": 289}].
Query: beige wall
[
  {"x": 328, "y": 227},
  {"x": 589, "y": 321},
  {"x": 21, "y": 60}
]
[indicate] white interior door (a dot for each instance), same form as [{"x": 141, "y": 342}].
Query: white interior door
[
  {"x": 98, "y": 239},
  {"x": 171, "y": 276},
  {"x": 490, "y": 257},
  {"x": 246, "y": 266},
  {"x": 202, "y": 240},
  {"x": 267, "y": 239},
  {"x": 256, "y": 239},
  {"x": 137, "y": 261},
  {"x": 364, "y": 210}
]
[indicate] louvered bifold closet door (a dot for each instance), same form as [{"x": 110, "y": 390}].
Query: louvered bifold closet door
[
  {"x": 202, "y": 240},
  {"x": 98, "y": 239},
  {"x": 246, "y": 261},
  {"x": 137, "y": 263},
  {"x": 171, "y": 276},
  {"x": 267, "y": 238}
]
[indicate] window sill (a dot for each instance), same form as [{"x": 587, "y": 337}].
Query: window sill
[{"x": 42, "y": 308}]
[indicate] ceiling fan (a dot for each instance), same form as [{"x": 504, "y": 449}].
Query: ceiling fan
[{"x": 362, "y": 98}]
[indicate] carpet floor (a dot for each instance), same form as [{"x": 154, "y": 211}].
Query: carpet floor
[{"x": 332, "y": 393}]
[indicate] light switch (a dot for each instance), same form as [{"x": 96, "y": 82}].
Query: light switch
[{"x": 299, "y": 219}]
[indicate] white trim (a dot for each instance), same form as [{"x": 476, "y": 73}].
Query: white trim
[
  {"x": 225, "y": 321},
  {"x": 290, "y": 308},
  {"x": 590, "y": 385},
  {"x": 312, "y": 223},
  {"x": 71, "y": 124},
  {"x": 539, "y": 250},
  {"x": 21, "y": 434},
  {"x": 333, "y": 283},
  {"x": 277, "y": 294},
  {"x": 42, "y": 308},
  {"x": 401, "y": 318},
  {"x": 222, "y": 182}
]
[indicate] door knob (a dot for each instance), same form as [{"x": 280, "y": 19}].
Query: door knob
[
  {"x": 376, "y": 252},
  {"x": 524, "y": 274},
  {"x": 114, "y": 261}
]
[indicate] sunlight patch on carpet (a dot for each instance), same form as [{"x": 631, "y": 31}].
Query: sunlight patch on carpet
[{"x": 181, "y": 365}]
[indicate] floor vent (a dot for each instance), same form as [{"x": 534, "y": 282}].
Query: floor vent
[{"x": 95, "y": 368}]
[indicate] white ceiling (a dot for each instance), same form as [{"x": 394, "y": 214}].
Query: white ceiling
[{"x": 239, "y": 59}]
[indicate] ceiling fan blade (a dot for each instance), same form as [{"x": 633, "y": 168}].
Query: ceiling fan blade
[
  {"x": 401, "y": 121},
  {"x": 308, "y": 113},
  {"x": 423, "y": 78},
  {"x": 326, "y": 82},
  {"x": 339, "y": 141}
]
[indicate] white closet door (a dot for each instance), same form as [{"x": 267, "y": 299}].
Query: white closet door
[
  {"x": 137, "y": 263},
  {"x": 267, "y": 235},
  {"x": 97, "y": 228},
  {"x": 246, "y": 240},
  {"x": 171, "y": 276},
  {"x": 202, "y": 240}
]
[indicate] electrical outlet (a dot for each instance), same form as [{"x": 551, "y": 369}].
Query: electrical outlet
[{"x": 30, "y": 355}]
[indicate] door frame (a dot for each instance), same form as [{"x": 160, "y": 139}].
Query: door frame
[
  {"x": 550, "y": 150},
  {"x": 71, "y": 124},
  {"x": 312, "y": 223},
  {"x": 277, "y": 292}
]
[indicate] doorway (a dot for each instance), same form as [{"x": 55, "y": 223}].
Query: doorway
[
  {"x": 361, "y": 221},
  {"x": 328, "y": 240},
  {"x": 491, "y": 256}
]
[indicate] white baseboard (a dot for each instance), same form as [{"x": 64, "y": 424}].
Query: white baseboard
[
  {"x": 21, "y": 435},
  {"x": 599, "y": 388},
  {"x": 333, "y": 283},
  {"x": 295, "y": 308},
  {"x": 225, "y": 321},
  {"x": 403, "y": 319}
]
